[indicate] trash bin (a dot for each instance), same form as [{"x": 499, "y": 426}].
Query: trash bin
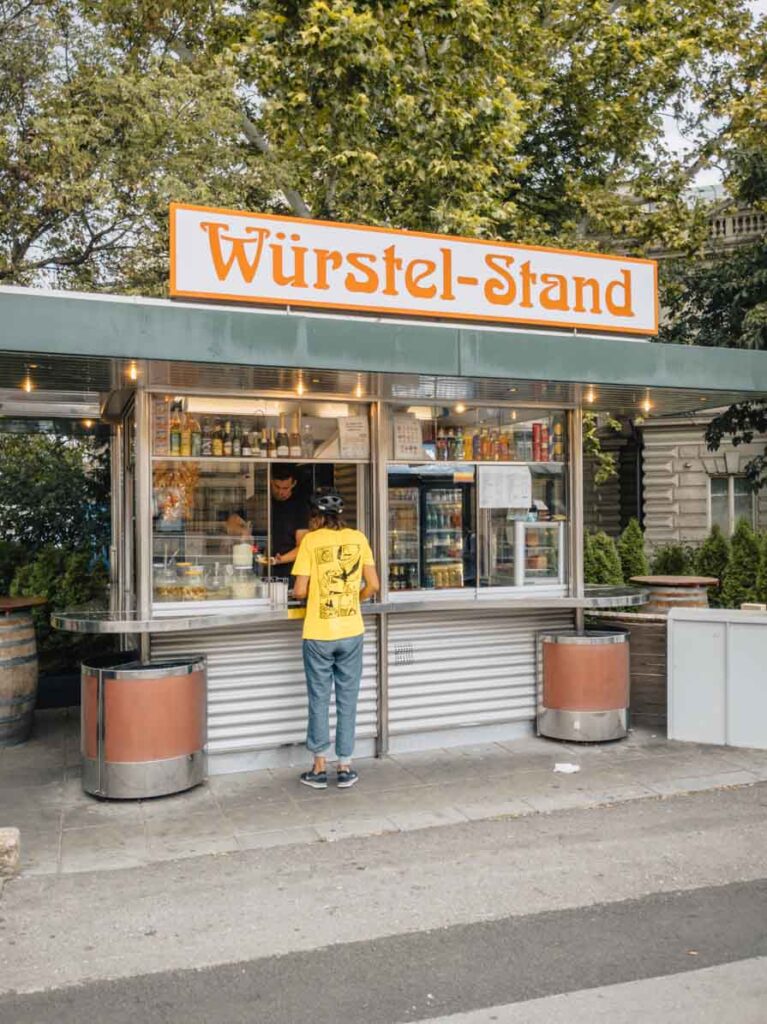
[
  {"x": 585, "y": 684},
  {"x": 143, "y": 725}
]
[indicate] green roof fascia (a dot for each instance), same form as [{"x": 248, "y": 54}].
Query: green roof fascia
[{"x": 115, "y": 326}]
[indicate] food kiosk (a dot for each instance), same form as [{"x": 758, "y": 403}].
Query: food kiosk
[{"x": 440, "y": 384}]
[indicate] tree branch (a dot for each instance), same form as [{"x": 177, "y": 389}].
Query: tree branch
[{"x": 252, "y": 134}]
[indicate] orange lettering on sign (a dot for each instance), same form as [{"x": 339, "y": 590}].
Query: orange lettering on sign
[
  {"x": 222, "y": 266},
  {"x": 554, "y": 282},
  {"x": 369, "y": 280},
  {"x": 391, "y": 264},
  {"x": 414, "y": 277},
  {"x": 620, "y": 308},
  {"x": 325, "y": 258},
  {"x": 528, "y": 280},
  {"x": 298, "y": 278},
  {"x": 501, "y": 291},
  {"x": 581, "y": 284}
]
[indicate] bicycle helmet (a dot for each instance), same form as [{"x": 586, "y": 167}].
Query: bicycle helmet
[{"x": 327, "y": 501}]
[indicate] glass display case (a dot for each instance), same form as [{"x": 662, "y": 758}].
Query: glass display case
[
  {"x": 231, "y": 487},
  {"x": 477, "y": 499}
]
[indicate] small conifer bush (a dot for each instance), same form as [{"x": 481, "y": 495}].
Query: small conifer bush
[
  {"x": 739, "y": 583},
  {"x": 631, "y": 551}
]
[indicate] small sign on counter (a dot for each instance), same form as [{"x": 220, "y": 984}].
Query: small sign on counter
[
  {"x": 408, "y": 439},
  {"x": 505, "y": 487},
  {"x": 354, "y": 437}
]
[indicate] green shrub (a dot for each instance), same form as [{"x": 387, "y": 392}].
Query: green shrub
[
  {"x": 601, "y": 564},
  {"x": 740, "y": 579},
  {"x": 674, "y": 560},
  {"x": 713, "y": 558},
  {"x": 11, "y": 557},
  {"x": 69, "y": 579},
  {"x": 631, "y": 551},
  {"x": 760, "y": 587}
]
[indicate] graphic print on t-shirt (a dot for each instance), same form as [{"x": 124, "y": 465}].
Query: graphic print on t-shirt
[{"x": 339, "y": 570}]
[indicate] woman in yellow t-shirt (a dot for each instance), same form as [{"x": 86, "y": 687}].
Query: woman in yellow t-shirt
[{"x": 334, "y": 570}]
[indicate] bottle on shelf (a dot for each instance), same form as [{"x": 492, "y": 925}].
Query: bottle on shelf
[
  {"x": 476, "y": 446},
  {"x": 186, "y": 435},
  {"x": 237, "y": 440},
  {"x": 196, "y": 438},
  {"x": 217, "y": 444},
  {"x": 307, "y": 440},
  {"x": 283, "y": 441},
  {"x": 486, "y": 446},
  {"x": 468, "y": 446},
  {"x": 175, "y": 429},
  {"x": 441, "y": 445},
  {"x": 459, "y": 448},
  {"x": 294, "y": 441},
  {"x": 207, "y": 439},
  {"x": 227, "y": 442},
  {"x": 246, "y": 444},
  {"x": 263, "y": 443},
  {"x": 272, "y": 444}
]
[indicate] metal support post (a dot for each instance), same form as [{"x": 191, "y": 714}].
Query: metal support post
[{"x": 575, "y": 434}]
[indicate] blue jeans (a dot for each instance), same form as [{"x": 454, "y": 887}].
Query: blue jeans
[{"x": 330, "y": 663}]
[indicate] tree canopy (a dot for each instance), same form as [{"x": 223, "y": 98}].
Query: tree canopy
[{"x": 539, "y": 121}]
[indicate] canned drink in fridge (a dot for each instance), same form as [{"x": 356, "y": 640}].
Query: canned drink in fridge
[{"x": 536, "y": 442}]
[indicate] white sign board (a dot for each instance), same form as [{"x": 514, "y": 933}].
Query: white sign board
[
  {"x": 408, "y": 439},
  {"x": 354, "y": 437},
  {"x": 505, "y": 487},
  {"x": 288, "y": 261}
]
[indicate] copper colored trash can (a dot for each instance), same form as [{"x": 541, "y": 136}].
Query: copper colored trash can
[
  {"x": 585, "y": 685},
  {"x": 143, "y": 726}
]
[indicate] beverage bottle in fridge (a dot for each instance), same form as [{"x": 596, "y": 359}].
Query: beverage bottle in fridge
[
  {"x": 476, "y": 446},
  {"x": 272, "y": 442},
  {"x": 441, "y": 445},
  {"x": 263, "y": 443},
  {"x": 487, "y": 446},
  {"x": 544, "y": 442}
]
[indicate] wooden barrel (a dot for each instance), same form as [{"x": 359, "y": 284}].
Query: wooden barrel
[
  {"x": 18, "y": 677},
  {"x": 663, "y": 599}
]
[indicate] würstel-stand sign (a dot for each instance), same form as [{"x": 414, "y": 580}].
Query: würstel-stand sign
[{"x": 286, "y": 261}]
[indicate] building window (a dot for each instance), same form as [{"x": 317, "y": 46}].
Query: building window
[{"x": 730, "y": 499}]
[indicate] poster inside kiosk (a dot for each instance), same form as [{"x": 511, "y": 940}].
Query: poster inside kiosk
[{"x": 227, "y": 255}]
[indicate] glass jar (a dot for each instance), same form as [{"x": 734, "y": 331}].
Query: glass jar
[
  {"x": 217, "y": 584},
  {"x": 166, "y": 584},
  {"x": 244, "y": 584},
  {"x": 193, "y": 584}
]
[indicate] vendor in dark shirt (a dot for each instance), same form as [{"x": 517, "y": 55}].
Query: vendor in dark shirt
[{"x": 290, "y": 518}]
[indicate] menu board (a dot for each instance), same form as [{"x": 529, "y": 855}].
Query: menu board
[
  {"x": 505, "y": 487},
  {"x": 354, "y": 437},
  {"x": 408, "y": 440}
]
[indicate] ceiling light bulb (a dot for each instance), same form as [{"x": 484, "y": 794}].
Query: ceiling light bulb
[
  {"x": 300, "y": 388},
  {"x": 88, "y": 424},
  {"x": 133, "y": 371},
  {"x": 646, "y": 405},
  {"x": 590, "y": 396},
  {"x": 27, "y": 385},
  {"x": 359, "y": 391},
  {"x": 513, "y": 414},
  {"x": 460, "y": 407}
]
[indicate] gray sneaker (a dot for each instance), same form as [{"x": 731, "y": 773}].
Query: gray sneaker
[{"x": 346, "y": 778}]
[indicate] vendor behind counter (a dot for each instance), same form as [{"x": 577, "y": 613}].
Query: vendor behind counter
[{"x": 290, "y": 517}]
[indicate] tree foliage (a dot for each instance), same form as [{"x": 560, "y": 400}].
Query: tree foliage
[
  {"x": 601, "y": 564},
  {"x": 673, "y": 560},
  {"x": 54, "y": 490},
  {"x": 529, "y": 121}
]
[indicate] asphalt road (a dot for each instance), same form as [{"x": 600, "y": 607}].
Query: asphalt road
[{"x": 433, "y": 974}]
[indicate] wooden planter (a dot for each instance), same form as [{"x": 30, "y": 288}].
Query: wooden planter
[{"x": 647, "y": 637}]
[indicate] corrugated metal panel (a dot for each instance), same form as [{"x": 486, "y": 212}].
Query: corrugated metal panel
[
  {"x": 448, "y": 671},
  {"x": 256, "y": 684}
]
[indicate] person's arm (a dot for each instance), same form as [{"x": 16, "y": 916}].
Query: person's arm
[
  {"x": 301, "y": 572},
  {"x": 300, "y": 587},
  {"x": 372, "y": 583},
  {"x": 290, "y": 556}
]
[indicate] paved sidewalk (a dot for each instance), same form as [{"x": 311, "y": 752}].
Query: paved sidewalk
[{"x": 64, "y": 831}]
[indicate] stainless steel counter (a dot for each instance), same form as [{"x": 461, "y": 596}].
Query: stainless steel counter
[{"x": 128, "y": 622}]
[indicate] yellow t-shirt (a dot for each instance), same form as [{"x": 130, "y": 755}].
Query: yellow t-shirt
[{"x": 333, "y": 560}]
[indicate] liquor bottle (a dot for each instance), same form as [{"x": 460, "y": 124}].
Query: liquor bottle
[
  {"x": 272, "y": 442},
  {"x": 217, "y": 446},
  {"x": 468, "y": 446},
  {"x": 263, "y": 443},
  {"x": 283, "y": 441},
  {"x": 503, "y": 446},
  {"x": 207, "y": 439},
  {"x": 246, "y": 444},
  {"x": 487, "y": 446},
  {"x": 294, "y": 440},
  {"x": 186, "y": 435},
  {"x": 307, "y": 440},
  {"x": 459, "y": 446},
  {"x": 196, "y": 441},
  {"x": 476, "y": 446},
  {"x": 227, "y": 442},
  {"x": 236, "y": 440},
  {"x": 441, "y": 445},
  {"x": 175, "y": 429}
]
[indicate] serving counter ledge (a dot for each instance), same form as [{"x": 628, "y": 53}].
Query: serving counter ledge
[{"x": 130, "y": 623}]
